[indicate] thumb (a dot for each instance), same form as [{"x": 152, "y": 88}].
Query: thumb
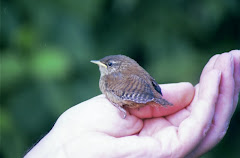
[{"x": 99, "y": 115}]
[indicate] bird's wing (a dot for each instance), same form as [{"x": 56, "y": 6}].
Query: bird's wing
[
  {"x": 156, "y": 86},
  {"x": 132, "y": 88}
]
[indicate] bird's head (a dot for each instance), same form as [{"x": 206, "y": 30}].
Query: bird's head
[{"x": 115, "y": 63}]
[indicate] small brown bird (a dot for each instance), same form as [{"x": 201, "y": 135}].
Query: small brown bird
[{"x": 126, "y": 84}]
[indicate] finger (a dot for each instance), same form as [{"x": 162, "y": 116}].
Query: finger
[
  {"x": 236, "y": 59},
  {"x": 210, "y": 64},
  {"x": 177, "y": 118},
  {"x": 208, "y": 67},
  {"x": 180, "y": 95},
  {"x": 194, "y": 128},
  {"x": 224, "y": 107},
  {"x": 98, "y": 114},
  {"x": 195, "y": 99}
]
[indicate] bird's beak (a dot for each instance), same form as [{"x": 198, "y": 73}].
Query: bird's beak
[{"x": 98, "y": 63}]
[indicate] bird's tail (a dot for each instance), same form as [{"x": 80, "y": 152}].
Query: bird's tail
[{"x": 162, "y": 101}]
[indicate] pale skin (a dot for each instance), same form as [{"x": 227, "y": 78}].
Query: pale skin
[{"x": 198, "y": 120}]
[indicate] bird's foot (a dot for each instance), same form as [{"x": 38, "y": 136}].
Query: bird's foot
[{"x": 121, "y": 109}]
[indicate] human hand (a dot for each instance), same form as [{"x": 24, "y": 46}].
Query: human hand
[{"x": 191, "y": 127}]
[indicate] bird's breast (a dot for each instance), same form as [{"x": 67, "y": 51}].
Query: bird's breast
[{"x": 102, "y": 84}]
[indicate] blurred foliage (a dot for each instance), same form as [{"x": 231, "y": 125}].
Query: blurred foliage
[{"x": 46, "y": 47}]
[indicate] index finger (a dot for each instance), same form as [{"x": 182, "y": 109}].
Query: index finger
[{"x": 179, "y": 94}]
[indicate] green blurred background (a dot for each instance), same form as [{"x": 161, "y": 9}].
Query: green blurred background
[{"x": 46, "y": 47}]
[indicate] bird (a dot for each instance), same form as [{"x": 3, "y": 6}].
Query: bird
[{"x": 126, "y": 84}]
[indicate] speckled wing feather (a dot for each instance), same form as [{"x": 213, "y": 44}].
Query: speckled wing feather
[{"x": 132, "y": 88}]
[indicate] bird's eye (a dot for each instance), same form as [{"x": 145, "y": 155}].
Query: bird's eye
[{"x": 110, "y": 64}]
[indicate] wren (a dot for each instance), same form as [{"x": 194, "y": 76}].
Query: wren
[{"x": 126, "y": 84}]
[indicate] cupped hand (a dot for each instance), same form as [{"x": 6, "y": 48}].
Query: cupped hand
[{"x": 196, "y": 122}]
